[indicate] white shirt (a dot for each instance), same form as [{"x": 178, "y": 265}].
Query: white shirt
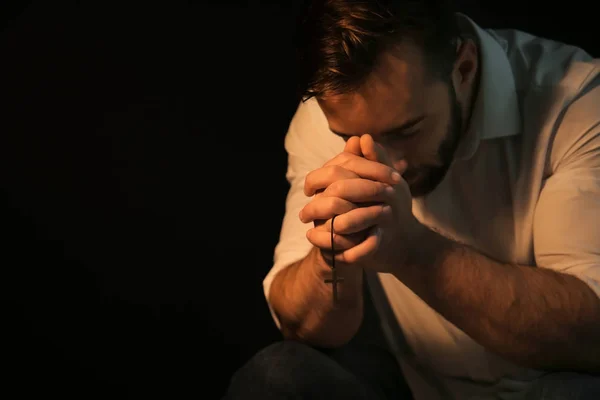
[{"x": 524, "y": 188}]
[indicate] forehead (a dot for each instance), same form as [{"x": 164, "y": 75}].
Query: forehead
[{"x": 394, "y": 90}]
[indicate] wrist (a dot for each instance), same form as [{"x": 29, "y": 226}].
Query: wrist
[
  {"x": 423, "y": 254},
  {"x": 322, "y": 267},
  {"x": 349, "y": 290}
]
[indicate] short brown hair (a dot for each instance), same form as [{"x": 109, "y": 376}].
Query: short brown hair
[{"x": 338, "y": 42}]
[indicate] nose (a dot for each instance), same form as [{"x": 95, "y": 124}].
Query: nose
[{"x": 396, "y": 157}]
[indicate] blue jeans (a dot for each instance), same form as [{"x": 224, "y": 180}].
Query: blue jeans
[
  {"x": 566, "y": 386},
  {"x": 292, "y": 370},
  {"x": 363, "y": 369}
]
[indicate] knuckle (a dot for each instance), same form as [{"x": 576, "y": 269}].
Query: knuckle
[
  {"x": 341, "y": 225},
  {"x": 354, "y": 165},
  {"x": 383, "y": 188},
  {"x": 380, "y": 214},
  {"x": 343, "y": 157},
  {"x": 377, "y": 189},
  {"x": 308, "y": 182},
  {"x": 337, "y": 160},
  {"x": 342, "y": 243},
  {"x": 348, "y": 162},
  {"x": 316, "y": 197},
  {"x": 387, "y": 172},
  {"x": 345, "y": 161},
  {"x": 383, "y": 208},
  {"x": 347, "y": 206},
  {"x": 335, "y": 188},
  {"x": 332, "y": 172},
  {"x": 348, "y": 224},
  {"x": 331, "y": 204}
]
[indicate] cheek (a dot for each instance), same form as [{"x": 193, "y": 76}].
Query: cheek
[
  {"x": 427, "y": 146},
  {"x": 415, "y": 151},
  {"x": 396, "y": 152}
]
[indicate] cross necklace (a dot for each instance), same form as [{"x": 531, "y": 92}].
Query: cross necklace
[{"x": 334, "y": 278}]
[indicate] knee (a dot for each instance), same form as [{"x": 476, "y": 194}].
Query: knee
[
  {"x": 278, "y": 364},
  {"x": 283, "y": 369},
  {"x": 565, "y": 385}
]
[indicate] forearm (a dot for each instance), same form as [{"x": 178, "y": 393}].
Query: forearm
[
  {"x": 533, "y": 316},
  {"x": 303, "y": 302}
]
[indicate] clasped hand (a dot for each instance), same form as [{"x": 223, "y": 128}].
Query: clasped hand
[{"x": 360, "y": 187}]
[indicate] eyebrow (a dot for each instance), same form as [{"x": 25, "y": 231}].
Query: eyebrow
[{"x": 397, "y": 129}]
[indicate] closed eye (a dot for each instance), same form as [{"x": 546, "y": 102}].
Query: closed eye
[{"x": 404, "y": 135}]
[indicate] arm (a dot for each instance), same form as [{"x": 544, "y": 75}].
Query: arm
[
  {"x": 535, "y": 317},
  {"x": 546, "y": 317},
  {"x": 303, "y": 302},
  {"x": 295, "y": 288},
  {"x": 299, "y": 296}
]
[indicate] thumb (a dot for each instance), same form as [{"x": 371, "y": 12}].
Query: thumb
[
  {"x": 374, "y": 151},
  {"x": 353, "y": 146}
]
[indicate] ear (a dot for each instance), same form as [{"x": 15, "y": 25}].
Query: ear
[{"x": 465, "y": 67}]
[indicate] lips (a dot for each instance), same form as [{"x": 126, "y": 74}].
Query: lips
[{"x": 411, "y": 176}]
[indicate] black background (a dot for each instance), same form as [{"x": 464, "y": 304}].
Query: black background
[{"x": 142, "y": 177}]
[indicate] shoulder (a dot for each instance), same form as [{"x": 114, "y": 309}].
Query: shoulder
[
  {"x": 558, "y": 87},
  {"x": 540, "y": 62},
  {"x": 576, "y": 142},
  {"x": 309, "y": 135}
]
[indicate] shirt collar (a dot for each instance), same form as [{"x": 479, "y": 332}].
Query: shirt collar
[{"x": 496, "y": 109}]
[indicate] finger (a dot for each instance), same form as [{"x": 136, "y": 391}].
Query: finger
[
  {"x": 364, "y": 168},
  {"x": 361, "y": 218},
  {"x": 341, "y": 158},
  {"x": 357, "y": 220},
  {"x": 362, "y": 250},
  {"x": 353, "y": 146},
  {"x": 324, "y": 208},
  {"x": 316, "y": 181},
  {"x": 318, "y": 223},
  {"x": 374, "y": 151},
  {"x": 360, "y": 191},
  {"x": 322, "y": 239},
  {"x": 401, "y": 166}
]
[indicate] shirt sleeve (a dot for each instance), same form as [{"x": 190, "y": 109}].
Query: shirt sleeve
[
  {"x": 567, "y": 218},
  {"x": 309, "y": 144}
]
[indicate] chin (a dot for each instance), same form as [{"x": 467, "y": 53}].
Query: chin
[
  {"x": 418, "y": 190},
  {"x": 422, "y": 184}
]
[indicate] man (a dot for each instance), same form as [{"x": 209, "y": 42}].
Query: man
[{"x": 459, "y": 169}]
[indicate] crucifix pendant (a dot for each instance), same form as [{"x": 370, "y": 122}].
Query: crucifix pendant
[{"x": 334, "y": 278}]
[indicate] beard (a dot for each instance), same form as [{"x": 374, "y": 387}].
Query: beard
[{"x": 423, "y": 179}]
